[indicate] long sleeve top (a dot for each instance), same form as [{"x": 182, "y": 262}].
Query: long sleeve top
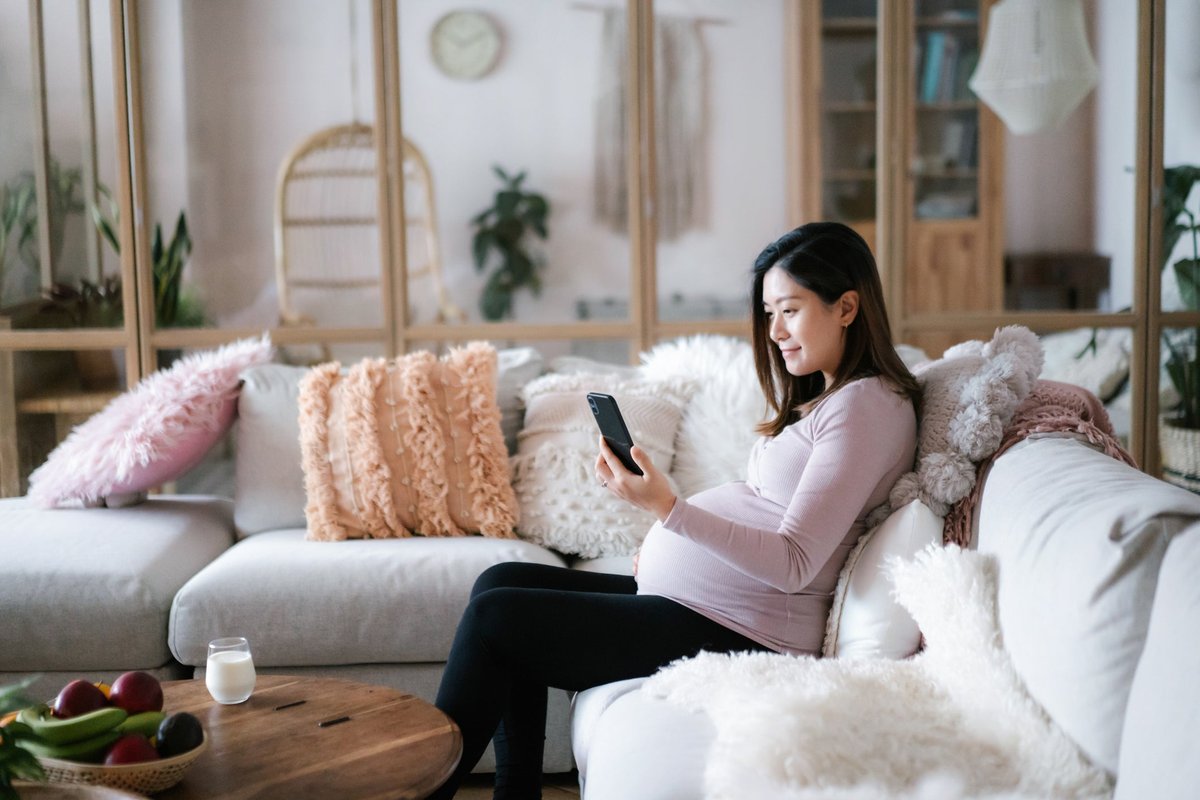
[{"x": 762, "y": 556}]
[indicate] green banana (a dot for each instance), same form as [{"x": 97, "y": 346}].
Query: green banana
[
  {"x": 145, "y": 723},
  {"x": 54, "y": 731},
  {"x": 82, "y": 750}
]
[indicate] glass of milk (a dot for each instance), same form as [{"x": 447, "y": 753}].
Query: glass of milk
[{"x": 229, "y": 673}]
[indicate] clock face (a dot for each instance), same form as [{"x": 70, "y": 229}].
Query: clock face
[{"x": 465, "y": 44}]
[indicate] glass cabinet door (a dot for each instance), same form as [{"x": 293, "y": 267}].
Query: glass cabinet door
[
  {"x": 257, "y": 117},
  {"x": 518, "y": 111},
  {"x": 945, "y": 159},
  {"x": 849, "y": 41},
  {"x": 59, "y": 280},
  {"x": 1179, "y": 392},
  {"x": 721, "y": 128}
]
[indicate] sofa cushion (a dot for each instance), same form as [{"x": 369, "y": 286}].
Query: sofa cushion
[
  {"x": 151, "y": 434},
  {"x": 1162, "y": 721},
  {"x": 269, "y": 482},
  {"x": 586, "y": 709},
  {"x": 865, "y": 621},
  {"x": 718, "y": 428},
  {"x": 968, "y": 396},
  {"x": 407, "y": 446},
  {"x": 90, "y": 589},
  {"x": 1079, "y": 537},
  {"x": 360, "y": 601},
  {"x": 563, "y": 506},
  {"x": 648, "y": 748},
  {"x": 269, "y": 491}
]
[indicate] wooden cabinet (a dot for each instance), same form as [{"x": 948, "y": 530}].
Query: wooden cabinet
[{"x": 952, "y": 193}]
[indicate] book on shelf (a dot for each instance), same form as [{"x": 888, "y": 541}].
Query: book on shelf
[
  {"x": 946, "y": 64},
  {"x": 966, "y": 68},
  {"x": 960, "y": 142},
  {"x": 935, "y": 42}
]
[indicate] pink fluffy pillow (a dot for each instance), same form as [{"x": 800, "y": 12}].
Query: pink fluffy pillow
[{"x": 152, "y": 434}]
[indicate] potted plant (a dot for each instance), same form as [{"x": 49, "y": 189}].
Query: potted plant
[
  {"x": 173, "y": 307},
  {"x": 1179, "y": 433},
  {"x": 87, "y": 305},
  {"x": 503, "y": 229},
  {"x": 15, "y": 762},
  {"x": 19, "y": 215}
]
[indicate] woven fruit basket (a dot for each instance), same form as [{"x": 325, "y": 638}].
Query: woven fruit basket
[{"x": 146, "y": 777}]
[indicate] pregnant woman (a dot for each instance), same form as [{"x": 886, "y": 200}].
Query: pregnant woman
[{"x": 750, "y": 565}]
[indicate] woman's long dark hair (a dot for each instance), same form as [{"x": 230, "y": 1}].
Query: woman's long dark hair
[{"x": 829, "y": 259}]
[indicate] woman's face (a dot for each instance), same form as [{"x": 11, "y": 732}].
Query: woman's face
[{"x": 810, "y": 334}]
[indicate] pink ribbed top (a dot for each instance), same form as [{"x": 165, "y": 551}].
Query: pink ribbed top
[{"x": 762, "y": 556}]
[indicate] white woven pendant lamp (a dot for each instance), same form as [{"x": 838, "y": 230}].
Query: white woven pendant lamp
[{"x": 1036, "y": 64}]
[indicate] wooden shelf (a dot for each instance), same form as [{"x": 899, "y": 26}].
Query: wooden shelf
[
  {"x": 850, "y": 107},
  {"x": 954, "y": 173},
  {"x": 970, "y": 23},
  {"x": 840, "y": 175},
  {"x": 951, "y": 105},
  {"x": 849, "y": 25}
]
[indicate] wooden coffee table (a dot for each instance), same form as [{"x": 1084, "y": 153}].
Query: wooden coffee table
[{"x": 393, "y": 745}]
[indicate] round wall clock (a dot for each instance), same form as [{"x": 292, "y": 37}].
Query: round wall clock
[{"x": 466, "y": 44}]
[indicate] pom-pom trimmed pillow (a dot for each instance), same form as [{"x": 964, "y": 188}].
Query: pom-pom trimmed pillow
[
  {"x": 406, "y": 447},
  {"x": 563, "y": 507},
  {"x": 968, "y": 396},
  {"x": 151, "y": 434}
]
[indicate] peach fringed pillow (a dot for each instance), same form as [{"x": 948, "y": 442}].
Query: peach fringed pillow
[{"x": 406, "y": 447}]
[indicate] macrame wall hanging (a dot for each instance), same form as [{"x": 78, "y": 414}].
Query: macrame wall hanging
[{"x": 680, "y": 132}]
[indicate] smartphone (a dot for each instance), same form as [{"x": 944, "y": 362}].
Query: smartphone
[{"x": 612, "y": 428}]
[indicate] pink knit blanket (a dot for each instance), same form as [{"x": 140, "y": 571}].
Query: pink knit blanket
[{"x": 1051, "y": 407}]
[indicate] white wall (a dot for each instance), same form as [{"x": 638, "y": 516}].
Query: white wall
[{"x": 1048, "y": 173}]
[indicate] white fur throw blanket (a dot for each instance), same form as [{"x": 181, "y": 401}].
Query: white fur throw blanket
[{"x": 952, "y": 722}]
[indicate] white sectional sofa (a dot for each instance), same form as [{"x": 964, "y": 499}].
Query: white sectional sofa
[
  {"x": 1099, "y": 609},
  {"x": 1098, "y": 603}
]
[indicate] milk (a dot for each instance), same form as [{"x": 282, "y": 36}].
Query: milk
[{"x": 229, "y": 676}]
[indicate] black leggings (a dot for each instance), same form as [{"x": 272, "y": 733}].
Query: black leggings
[{"x": 532, "y": 626}]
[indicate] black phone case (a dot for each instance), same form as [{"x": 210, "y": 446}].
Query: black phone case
[{"x": 613, "y": 428}]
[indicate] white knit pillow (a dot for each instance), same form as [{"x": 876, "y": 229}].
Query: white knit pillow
[{"x": 563, "y": 507}]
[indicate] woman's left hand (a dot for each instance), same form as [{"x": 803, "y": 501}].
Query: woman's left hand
[{"x": 649, "y": 491}]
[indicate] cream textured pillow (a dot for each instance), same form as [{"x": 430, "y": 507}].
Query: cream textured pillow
[
  {"x": 866, "y": 621},
  {"x": 403, "y": 447},
  {"x": 562, "y": 505}
]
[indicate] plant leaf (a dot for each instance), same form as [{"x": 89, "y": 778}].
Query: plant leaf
[
  {"x": 1187, "y": 274},
  {"x": 480, "y": 246}
]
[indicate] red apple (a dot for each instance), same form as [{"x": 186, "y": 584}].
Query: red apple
[
  {"x": 137, "y": 692},
  {"x": 78, "y": 697},
  {"x": 130, "y": 749}
]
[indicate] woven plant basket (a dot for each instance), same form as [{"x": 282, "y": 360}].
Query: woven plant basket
[
  {"x": 1180, "y": 449},
  {"x": 147, "y": 777}
]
